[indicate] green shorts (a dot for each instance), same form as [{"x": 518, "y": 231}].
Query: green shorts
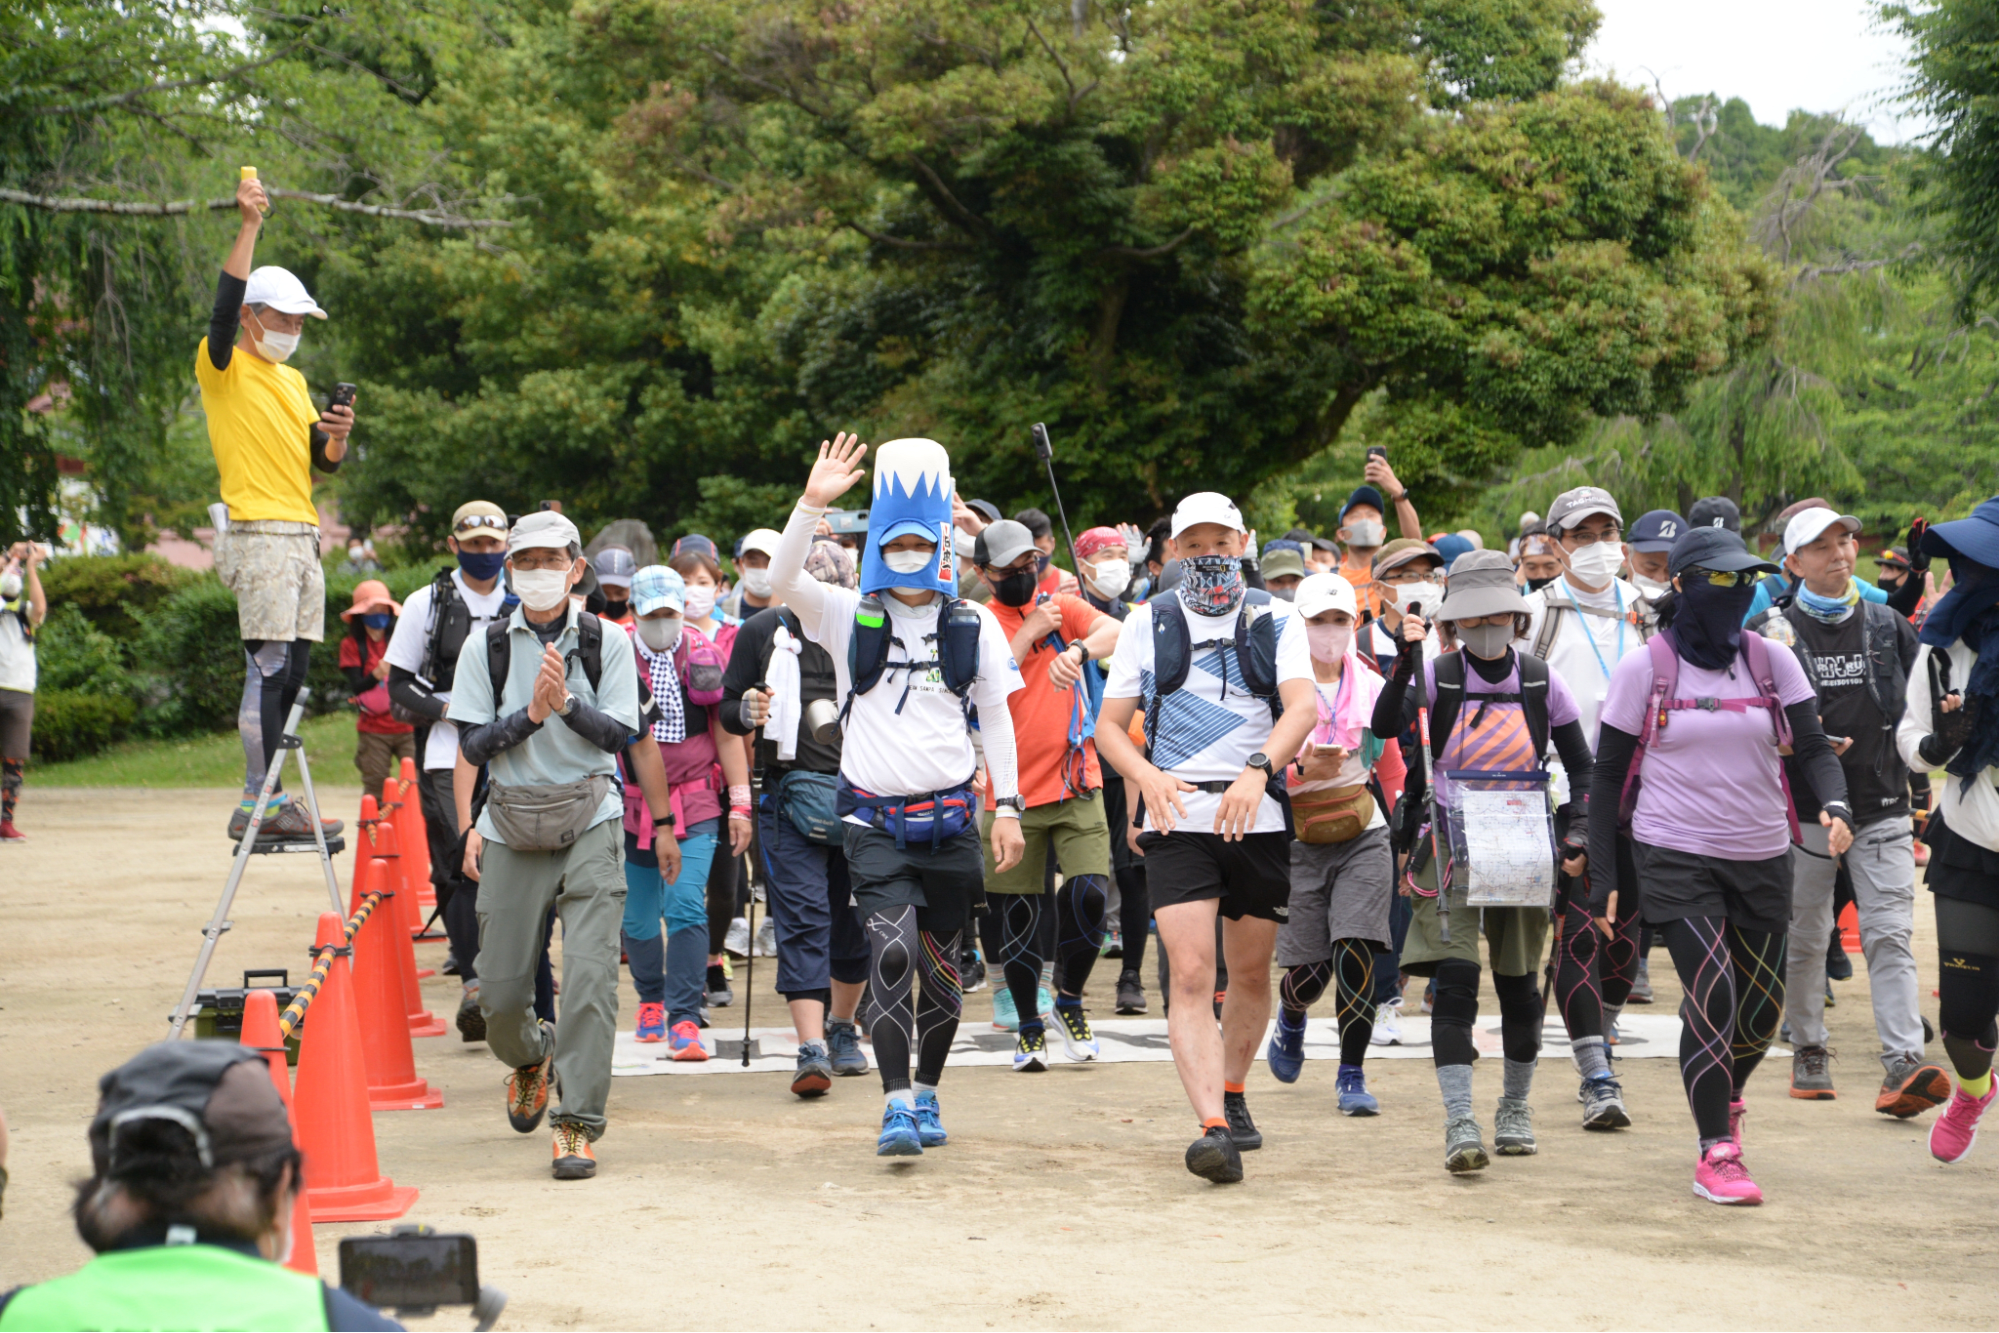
[
  {"x": 1075, "y": 828},
  {"x": 1516, "y": 938}
]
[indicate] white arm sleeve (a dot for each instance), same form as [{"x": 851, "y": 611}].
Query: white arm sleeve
[
  {"x": 805, "y": 595},
  {"x": 996, "y": 739}
]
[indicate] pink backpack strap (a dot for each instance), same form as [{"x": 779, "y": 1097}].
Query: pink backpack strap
[
  {"x": 1665, "y": 679},
  {"x": 1756, "y": 653}
]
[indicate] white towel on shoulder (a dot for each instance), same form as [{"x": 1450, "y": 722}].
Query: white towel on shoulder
[{"x": 787, "y": 695}]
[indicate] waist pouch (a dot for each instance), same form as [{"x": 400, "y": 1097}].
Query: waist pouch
[
  {"x": 545, "y": 817},
  {"x": 935, "y": 817},
  {"x": 811, "y": 801},
  {"x": 1335, "y": 814}
]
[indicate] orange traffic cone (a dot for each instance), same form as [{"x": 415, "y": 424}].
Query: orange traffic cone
[
  {"x": 260, "y": 1034},
  {"x": 1849, "y": 929},
  {"x": 393, "y": 1084},
  {"x": 411, "y": 827},
  {"x": 423, "y": 1023},
  {"x": 335, "y": 1129}
]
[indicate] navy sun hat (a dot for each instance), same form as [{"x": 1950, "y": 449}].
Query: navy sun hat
[
  {"x": 1719, "y": 549},
  {"x": 1363, "y": 495},
  {"x": 1655, "y": 531},
  {"x": 1976, "y": 537}
]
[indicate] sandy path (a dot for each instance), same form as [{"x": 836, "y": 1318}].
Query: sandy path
[{"x": 1061, "y": 1202}]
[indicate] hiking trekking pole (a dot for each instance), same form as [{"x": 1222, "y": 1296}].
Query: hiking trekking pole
[
  {"x": 1430, "y": 794},
  {"x": 1047, "y": 452},
  {"x": 749, "y": 976}
]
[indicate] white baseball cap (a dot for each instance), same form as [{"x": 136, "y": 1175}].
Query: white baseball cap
[
  {"x": 1806, "y": 525},
  {"x": 1207, "y": 507},
  {"x": 1318, "y": 593},
  {"x": 543, "y": 528},
  {"x": 280, "y": 289},
  {"x": 764, "y": 540}
]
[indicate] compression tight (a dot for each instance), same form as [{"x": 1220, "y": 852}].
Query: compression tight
[
  {"x": 1968, "y": 942},
  {"x": 1592, "y": 973},
  {"x": 273, "y": 674},
  {"x": 1022, "y": 922},
  {"x": 1351, "y": 969},
  {"x": 1134, "y": 915},
  {"x": 898, "y": 953},
  {"x": 10, "y": 787},
  {"x": 1734, "y": 984}
]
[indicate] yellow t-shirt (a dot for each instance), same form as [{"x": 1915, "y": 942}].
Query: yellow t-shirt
[{"x": 260, "y": 425}]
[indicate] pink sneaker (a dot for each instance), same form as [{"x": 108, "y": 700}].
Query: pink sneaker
[
  {"x": 1738, "y": 1111},
  {"x": 1722, "y": 1178},
  {"x": 686, "y": 1038},
  {"x": 652, "y": 1023},
  {"x": 1956, "y": 1129}
]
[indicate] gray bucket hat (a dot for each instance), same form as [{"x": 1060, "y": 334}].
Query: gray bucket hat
[{"x": 1481, "y": 584}]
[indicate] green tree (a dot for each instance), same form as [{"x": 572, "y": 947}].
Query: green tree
[{"x": 1954, "y": 84}]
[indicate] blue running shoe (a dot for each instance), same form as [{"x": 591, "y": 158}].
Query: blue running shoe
[
  {"x": 930, "y": 1120},
  {"x": 900, "y": 1136},
  {"x": 1286, "y": 1055},
  {"x": 1004, "y": 1017},
  {"x": 843, "y": 1048},
  {"x": 1355, "y": 1099}
]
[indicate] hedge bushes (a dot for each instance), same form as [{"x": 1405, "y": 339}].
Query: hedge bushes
[{"x": 134, "y": 646}]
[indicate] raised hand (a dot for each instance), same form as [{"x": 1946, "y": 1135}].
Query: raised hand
[{"x": 836, "y": 470}]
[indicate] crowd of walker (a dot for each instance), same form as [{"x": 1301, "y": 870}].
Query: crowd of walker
[{"x": 951, "y": 760}]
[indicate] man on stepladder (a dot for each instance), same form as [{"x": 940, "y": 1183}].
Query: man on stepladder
[
  {"x": 912, "y": 661},
  {"x": 1225, "y": 678}
]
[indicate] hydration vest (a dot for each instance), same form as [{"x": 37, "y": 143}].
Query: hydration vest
[
  {"x": 1254, "y": 644},
  {"x": 954, "y": 648}
]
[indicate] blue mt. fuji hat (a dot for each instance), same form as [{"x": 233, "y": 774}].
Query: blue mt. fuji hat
[{"x": 912, "y": 496}]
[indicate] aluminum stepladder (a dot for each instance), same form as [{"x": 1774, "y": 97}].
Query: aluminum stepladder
[{"x": 211, "y": 934}]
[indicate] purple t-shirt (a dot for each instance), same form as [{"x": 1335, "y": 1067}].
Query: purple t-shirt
[
  {"x": 1710, "y": 783},
  {"x": 1500, "y": 741}
]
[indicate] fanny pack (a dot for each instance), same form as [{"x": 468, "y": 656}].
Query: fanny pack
[
  {"x": 1334, "y": 814},
  {"x": 811, "y": 801},
  {"x": 935, "y": 817},
  {"x": 545, "y": 817}
]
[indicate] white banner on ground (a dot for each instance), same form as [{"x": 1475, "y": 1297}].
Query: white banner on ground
[{"x": 1640, "y": 1037}]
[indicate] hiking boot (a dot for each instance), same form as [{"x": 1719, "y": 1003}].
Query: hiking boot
[
  {"x": 899, "y": 1137},
  {"x": 1130, "y": 992},
  {"x": 471, "y": 1019},
  {"x": 843, "y": 1048},
  {"x": 1641, "y": 985},
  {"x": 1513, "y": 1128},
  {"x": 527, "y": 1087},
  {"x": 283, "y": 820},
  {"x": 1603, "y": 1104},
  {"x": 1464, "y": 1146},
  {"x": 1355, "y": 1099},
  {"x": 1720, "y": 1177},
  {"x": 1078, "y": 1042},
  {"x": 1286, "y": 1053},
  {"x": 1214, "y": 1156},
  {"x": 1242, "y": 1130},
  {"x": 1912, "y": 1087},
  {"x": 815, "y": 1073},
  {"x": 1811, "y": 1078},
  {"x": 930, "y": 1120},
  {"x": 1956, "y": 1129},
  {"x": 573, "y": 1158}
]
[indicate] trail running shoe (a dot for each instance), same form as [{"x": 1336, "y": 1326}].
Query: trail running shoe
[
  {"x": 972, "y": 969},
  {"x": 930, "y": 1120},
  {"x": 1464, "y": 1146},
  {"x": 283, "y": 819},
  {"x": 686, "y": 1041},
  {"x": 720, "y": 994},
  {"x": 843, "y": 1047},
  {"x": 527, "y": 1087},
  {"x": 1286, "y": 1053},
  {"x": 1113, "y": 946},
  {"x": 1603, "y": 1104},
  {"x": 899, "y": 1137},
  {"x": 1738, "y": 1111},
  {"x": 814, "y": 1073},
  {"x": 1956, "y": 1129},
  {"x": 471, "y": 1019},
  {"x": 1722, "y": 1178},
  {"x": 1811, "y": 1079},
  {"x": 1911, "y": 1088},
  {"x": 1005, "y": 1017},
  {"x": 1130, "y": 992},
  {"x": 1078, "y": 1042},
  {"x": 1214, "y": 1156},
  {"x": 1242, "y": 1130},
  {"x": 574, "y": 1159},
  {"x": 651, "y": 1023},
  {"x": 1641, "y": 985},
  {"x": 1030, "y": 1052},
  {"x": 1355, "y": 1099},
  {"x": 1387, "y": 1024},
  {"x": 1513, "y": 1128}
]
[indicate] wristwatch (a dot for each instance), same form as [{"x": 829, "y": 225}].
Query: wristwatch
[
  {"x": 1085, "y": 656},
  {"x": 1012, "y": 805},
  {"x": 663, "y": 822},
  {"x": 1262, "y": 761},
  {"x": 568, "y": 706}
]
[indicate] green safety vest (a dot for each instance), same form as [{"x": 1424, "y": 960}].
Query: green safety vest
[{"x": 171, "y": 1286}]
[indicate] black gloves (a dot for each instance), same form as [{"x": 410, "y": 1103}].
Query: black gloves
[{"x": 1918, "y": 561}]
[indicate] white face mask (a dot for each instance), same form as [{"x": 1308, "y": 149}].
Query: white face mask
[
  {"x": 275, "y": 346},
  {"x": 541, "y": 589},
  {"x": 700, "y": 601},
  {"x": 908, "y": 562},
  {"x": 1425, "y": 595},
  {"x": 1110, "y": 578},
  {"x": 1366, "y": 533},
  {"x": 10, "y": 585},
  {"x": 1651, "y": 587},
  {"x": 662, "y": 635},
  {"x": 756, "y": 582},
  {"x": 1597, "y": 564}
]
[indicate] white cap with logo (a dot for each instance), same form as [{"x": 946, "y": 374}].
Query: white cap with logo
[
  {"x": 1806, "y": 526},
  {"x": 1319, "y": 593},
  {"x": 1207, "y": 507},
  {"x": 280, "y": 289}
]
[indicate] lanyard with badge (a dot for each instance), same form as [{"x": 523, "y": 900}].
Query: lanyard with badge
[{"x": 1589, "y": 636}]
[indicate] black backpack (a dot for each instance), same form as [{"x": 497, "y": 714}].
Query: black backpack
[
  {"x": 444, "y": 638},
  {"x": 956, "y": 647},
  {"x": 1254, "y": 644},
  {"x": 1532, "y": 698},
  {"x": 500, "y": 652}
]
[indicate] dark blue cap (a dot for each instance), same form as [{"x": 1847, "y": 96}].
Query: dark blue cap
[
  {"x": 1715, "y": 548},
  {"x": 1450, "y": 546},
  {"x": 1715, "y": 511},
  {"x": 1655, "y": 531},
  {"x": 1363, "y": 495},
  {"x": 1976, "y": 537}
]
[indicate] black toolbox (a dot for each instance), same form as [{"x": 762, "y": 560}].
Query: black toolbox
[{"x": 219, "y": 1013}]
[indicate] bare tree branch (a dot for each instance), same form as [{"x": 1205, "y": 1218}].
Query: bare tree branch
[
  {"x": 179, "y": 207},
  {"x": 119, "y": 99},
  {"x": 1060, "y": 63},
  {"x": 1151, "y": 252},
  {"x": 1810, "y": 272}
]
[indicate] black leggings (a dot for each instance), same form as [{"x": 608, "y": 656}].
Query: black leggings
[
  {"x": 897, "y": 953},
  {"x": 277, "y": 689},
  {"x": 1351, "y": 968},
  {"x": 1134, "y": 915},
  {"x": 1591, "y": 972},
  {"x": 1023, "y": 923},
  {"x": 1454, "y": 1012},
  {"x": 1734, "y": 984},
  {"x": 1968, "y": 989}
]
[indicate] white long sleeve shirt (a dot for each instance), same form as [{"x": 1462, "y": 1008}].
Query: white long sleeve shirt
[{"x": 1971, "y": 814}]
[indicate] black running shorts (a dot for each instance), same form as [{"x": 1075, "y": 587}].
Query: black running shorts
[{"x": 1250, "y": 877}]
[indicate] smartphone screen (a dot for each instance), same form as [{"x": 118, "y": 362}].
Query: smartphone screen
[{"x": 419, "y": 1271}]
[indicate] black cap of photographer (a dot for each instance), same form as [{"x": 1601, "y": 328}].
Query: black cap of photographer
[{"x": 191, "y": 1150}]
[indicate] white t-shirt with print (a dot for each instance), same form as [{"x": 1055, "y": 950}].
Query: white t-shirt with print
[
  {"x": 406, "y": 647},
  {"x": 1207, "y": 730}
]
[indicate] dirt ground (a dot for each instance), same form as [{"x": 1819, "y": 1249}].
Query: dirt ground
[{"x": 1061, "y": 1201}]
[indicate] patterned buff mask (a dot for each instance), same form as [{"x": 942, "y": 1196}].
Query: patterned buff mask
[{"x": 1211, "y": 584}]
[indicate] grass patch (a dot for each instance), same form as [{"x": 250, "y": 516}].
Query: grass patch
[{"x": 214, "y": 760}]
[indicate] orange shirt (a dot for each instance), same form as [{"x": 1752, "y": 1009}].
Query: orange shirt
[
  {"x": 1042, "y": 713},
  {"x": 1366, "y": 590}
]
